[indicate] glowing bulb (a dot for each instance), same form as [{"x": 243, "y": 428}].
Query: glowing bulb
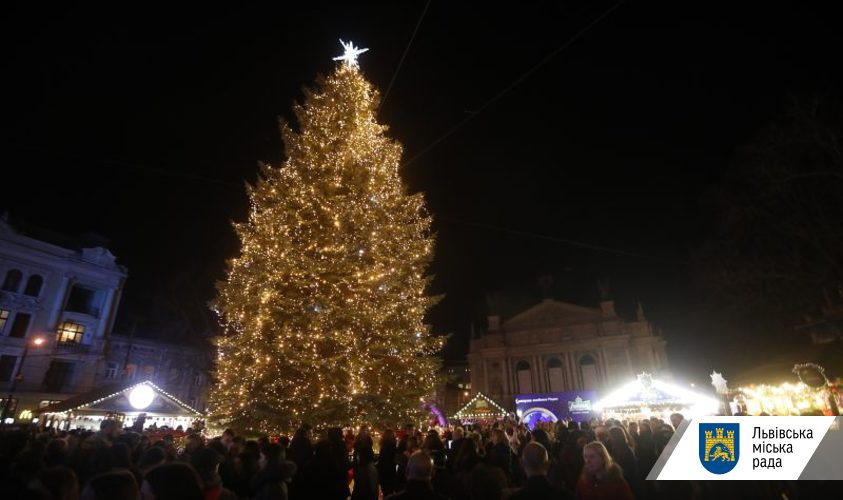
[{"x": 141, "y": 397}]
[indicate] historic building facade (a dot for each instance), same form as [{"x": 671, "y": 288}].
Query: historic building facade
[
  {"x": 58, "y": 305},
  {"x": 556, "y": 346}
]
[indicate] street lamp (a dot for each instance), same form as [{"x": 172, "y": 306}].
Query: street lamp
[{"x": 37, "y": 342}]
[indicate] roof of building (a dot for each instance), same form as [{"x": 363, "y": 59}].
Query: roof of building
[
  {"x": 89, "y": 248},
  {"x": 552, "y": 312},
  {"x": 114, "y": 398},
  {"x": 77, "y": 243}
]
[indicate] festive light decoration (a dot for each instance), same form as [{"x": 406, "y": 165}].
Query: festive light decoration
[
  {"x": 80, "y": 412},
  {"x": 647, "y": 395},
  {"x": 783, "y": 399},
  {"x": 126, "y": 390},
  {"x": 720, "y": 384},
  {"x": 323, "y": 308},
  {"x": 350, "y": 55},
  {"x": 481, "y": 407},
  {"x": 141, "y": 396}
]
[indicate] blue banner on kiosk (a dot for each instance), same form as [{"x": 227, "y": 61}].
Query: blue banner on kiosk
[{"x": 554, "y": 406}]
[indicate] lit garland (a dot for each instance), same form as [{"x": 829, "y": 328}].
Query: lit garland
[
  {"x": 323, "y": 309},
  {"x": 122, "y": 391},
  {"x": 784, "y": 399}
]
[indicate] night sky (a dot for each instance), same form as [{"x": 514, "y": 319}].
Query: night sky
[{"x": 143, "y": 125}]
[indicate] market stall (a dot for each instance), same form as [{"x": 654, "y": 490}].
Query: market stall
[
  {"x": 126, "y": 403},
  {"x": 813, "y": 394},
  {"x": 646, "y": 397},
  {"x": 481, "y": 408}
]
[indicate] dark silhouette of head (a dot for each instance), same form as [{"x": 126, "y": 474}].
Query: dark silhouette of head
[{"x": 174, "y": 481}]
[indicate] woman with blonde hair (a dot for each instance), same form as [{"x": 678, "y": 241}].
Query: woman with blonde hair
[{"x": 601, "y": 477}]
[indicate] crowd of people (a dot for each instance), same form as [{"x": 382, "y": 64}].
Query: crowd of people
[{"x": 495, "y": 460}]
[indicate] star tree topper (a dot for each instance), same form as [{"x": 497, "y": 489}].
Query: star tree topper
[
  {"x": 350, "y": 55},
  {"x": 719, "y": 382}
]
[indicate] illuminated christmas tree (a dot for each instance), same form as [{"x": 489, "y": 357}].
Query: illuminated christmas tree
[{"x": 323, "y": 309}]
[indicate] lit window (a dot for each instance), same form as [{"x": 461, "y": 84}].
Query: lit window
[
  {"x": 4, "y": 316},
  {"x": 111, "y": 370},
  {"x": 71, "y": 333}
]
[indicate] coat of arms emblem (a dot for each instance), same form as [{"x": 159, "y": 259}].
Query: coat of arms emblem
[{"x": 719, "y": 447}]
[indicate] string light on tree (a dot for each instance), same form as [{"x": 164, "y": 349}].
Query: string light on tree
[{"x": 323, "y": 308}]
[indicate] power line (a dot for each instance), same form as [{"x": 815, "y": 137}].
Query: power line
[
  {"x": 556, "y": 239},
  {"x": 404, "y": 55},
  {"x": 492, "y": 227},
  {"x": 514, "y": 84},
  {"x": 138, "y": 165}
]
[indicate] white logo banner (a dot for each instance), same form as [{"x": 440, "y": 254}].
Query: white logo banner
[{"x": 741, "y": 448}]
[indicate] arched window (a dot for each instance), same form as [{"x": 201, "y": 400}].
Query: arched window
[
  {"x": 588, "y": 371},
  {"x": 555, "y": 375},
  {"x": 525, "y": 379},
  {"x": 12, "y": 281},
  {"x": 33, "y": 285}
]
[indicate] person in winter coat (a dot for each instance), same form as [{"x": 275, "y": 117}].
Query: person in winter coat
[
  {"x": 270, "y": 483},
  {"x": 386, "y": 462},
  {"x": 206, "y": 461},
  {"x": 536, "y": 462},
  {"x": 623, "y": 455},
  {"x": 419, "y": 474},
  {"x": 498, "y": 453},
  {"x": 601, "y": 478},
  {"x": 365, "y": 474},
  {"x": 326, "y": 478}
]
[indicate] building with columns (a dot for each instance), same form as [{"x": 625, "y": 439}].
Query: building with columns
[
  {"x": 57, "y": 307},
  {"x": 555, "y": 346}
]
